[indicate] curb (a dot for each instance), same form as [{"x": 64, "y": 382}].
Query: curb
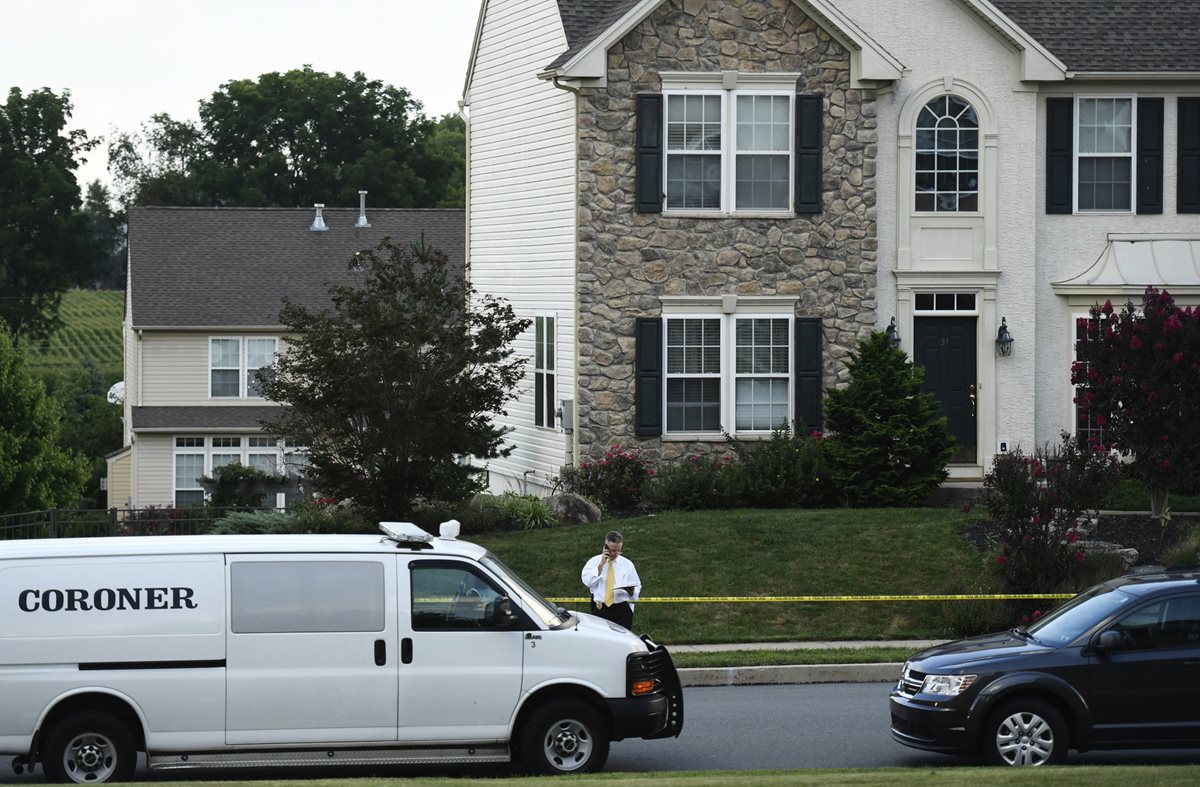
[{"x": 800, "y": 673}]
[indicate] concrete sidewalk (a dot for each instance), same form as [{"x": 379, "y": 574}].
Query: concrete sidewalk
[{"x": 797, "y": 673}]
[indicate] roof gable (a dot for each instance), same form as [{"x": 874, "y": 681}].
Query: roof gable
[
  {"x": 594, "y": 25},
  {"x": 232, "y": 267}
]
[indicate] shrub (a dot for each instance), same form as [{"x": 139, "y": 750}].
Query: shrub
[
  {"x": 317, "y": 518},
  {"x": 252, "y": 523},
  {"x": 695, "y": 483},
  {"x": 787, "y": 471},
  {"x": 890, "y": 444},
  {"x": 1186, "y": 552},
  {"x": 236, "y": 486},
  {"x": 1037, "y": 501},
  {"x": 614, "y": 483}
]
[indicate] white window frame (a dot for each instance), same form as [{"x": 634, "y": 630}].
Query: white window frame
[
  {"x": 550, "y": 393},
  {"x": 248, "y": 444},
  {"x": 761, "y": 307},
  {"x": 1131, "y": 155},
  {"x": 244, "y": 391},
  {"x": 979, "y": 162},
  {"x": 729, "y": 86}
]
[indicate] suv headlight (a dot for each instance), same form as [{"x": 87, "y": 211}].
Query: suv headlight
[{"x": 947, "y": 685}]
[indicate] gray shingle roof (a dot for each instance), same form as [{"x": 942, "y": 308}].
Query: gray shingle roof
[
  {"x": 1109, "y": 35},
  {"x": 233, "y": 266},
  {"x": 584, "y": 21},
  {"x": 202, "y": 417},
  {"x": 1087, "y": 35}
]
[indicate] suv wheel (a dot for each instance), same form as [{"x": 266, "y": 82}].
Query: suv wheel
[
  {"x": 1024, "y": 733},
  {"x": 564, "y": 736}
]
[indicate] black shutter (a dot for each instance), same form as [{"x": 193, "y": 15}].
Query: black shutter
[
  {"x": 1060, "y": 133},
  {"x": 809, "y": 116},
  {"x": 808, "y": 372},
  {"x": 1188, "y": 189},
  {"x": 649, "y": 372},
  {"x": 648, "y": 152},
  {"x": 1150, "y": 155},
  {"x": 538, "y": 399}
]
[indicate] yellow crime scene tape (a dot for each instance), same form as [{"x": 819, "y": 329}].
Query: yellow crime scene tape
[{"x": 814, "y": 599}]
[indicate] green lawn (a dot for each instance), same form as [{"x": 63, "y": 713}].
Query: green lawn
[
  {"x": 91, "y": 331},
  {"x": 765, "y": 553},
  {"x": 1131, "y": 495}
]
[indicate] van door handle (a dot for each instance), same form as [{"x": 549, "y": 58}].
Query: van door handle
[
  {"x": 380, "y": 653},
  {"x": 406, "y": 650}
]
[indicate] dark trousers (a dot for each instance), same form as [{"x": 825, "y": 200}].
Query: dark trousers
[{"x": 621, "y": 614}]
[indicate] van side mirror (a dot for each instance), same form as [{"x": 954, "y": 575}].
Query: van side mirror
[
  {"x": 1108, "y": 640},
  {"x": 503, "y": 616}
]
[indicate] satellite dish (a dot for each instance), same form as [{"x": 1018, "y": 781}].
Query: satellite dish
[{"x": 116, "y": 394}]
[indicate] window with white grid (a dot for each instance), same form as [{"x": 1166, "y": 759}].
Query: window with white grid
[
  {"x": 762, "y": 364},
  {"x": 947, "y": 149},
  {"x": 1105, "y": 130}
]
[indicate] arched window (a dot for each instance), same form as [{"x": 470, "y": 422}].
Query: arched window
[{"x": 947, "y": 172}]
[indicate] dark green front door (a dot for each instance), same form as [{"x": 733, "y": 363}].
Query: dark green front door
[{"x": 945, "y": 346}]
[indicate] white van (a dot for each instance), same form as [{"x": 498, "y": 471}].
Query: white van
[{"x": 236, "y": 651}]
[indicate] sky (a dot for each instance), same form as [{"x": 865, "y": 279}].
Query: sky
[{"x": 125, "y": 60}]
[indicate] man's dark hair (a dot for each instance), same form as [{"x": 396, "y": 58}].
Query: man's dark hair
[{"x": 614, "y": 537}]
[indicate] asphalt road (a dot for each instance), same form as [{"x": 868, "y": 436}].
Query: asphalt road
[{"x": 743, "y": 728}]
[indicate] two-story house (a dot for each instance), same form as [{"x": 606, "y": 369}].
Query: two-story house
[
  {"x": 202, "y": 317},
  {"x": 704, "y": 205}
]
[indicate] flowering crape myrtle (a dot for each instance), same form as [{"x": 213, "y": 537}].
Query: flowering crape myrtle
[{"x": 1138, "y": 378}]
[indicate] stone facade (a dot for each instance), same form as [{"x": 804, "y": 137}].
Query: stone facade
[{"x": 626, "y": 259}]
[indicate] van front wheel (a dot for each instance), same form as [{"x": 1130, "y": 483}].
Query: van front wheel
[
  {"x": 564, "y": 736},
  {"x": 89, "y": 748}
]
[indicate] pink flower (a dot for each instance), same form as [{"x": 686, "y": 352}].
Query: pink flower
[
  {"x": 1116, "y": 378},
  {"x": 966, "y": 508},
  {"x": 1177, "y": 357},
  {"x": 1172, "y": 324},
  {"x": 1079, "y": 556},
  {"x": 1135, "y": 343},
  {"x": 1107, "y": 308},
  {"x": 1166, "y": 464},
  {"x": 1024, "y": 618},
  {"x": 1124, "y": 366},
  {"x": 1072, "y": 536},
  {"x": 1001, "y": 559},
  {"x": 1166, "y": 438},
  {"x": 1101, "y": 420},
  {"x": 1152, "y": 396},
  {"x": 1037, "y": 613},
  {"x": 816, "y": 434}
]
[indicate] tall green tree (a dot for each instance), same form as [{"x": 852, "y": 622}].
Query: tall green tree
[
  {"x": 890, "y": 442},
  {"x": 90, "y": 424},
  {"x": 293, "y": 139},
  {"x": 1138, "y": 373},
  {"x": 45, "y": 245},
  {"x": 399, "y": 382},
  {"x": 106, "y": 230},
  {"x": 35, "y": 471}
]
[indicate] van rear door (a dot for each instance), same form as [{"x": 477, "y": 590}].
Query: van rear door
[
  {"x": 311, "y": 654},
  {"x": 460, "y": 673}
]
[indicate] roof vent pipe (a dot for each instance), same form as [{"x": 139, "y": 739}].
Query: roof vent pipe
[
  {"x": 318, "y": 224},
  {"x": 362, "y": 211}
]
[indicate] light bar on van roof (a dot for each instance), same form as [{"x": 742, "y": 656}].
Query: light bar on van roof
[{"x": 404, "y": 532}]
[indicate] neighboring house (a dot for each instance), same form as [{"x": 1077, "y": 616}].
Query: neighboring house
[
  {"x": 202, "y": 316},
  {"x": 705, "y": 205}
]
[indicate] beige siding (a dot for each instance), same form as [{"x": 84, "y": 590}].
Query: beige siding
[
  {"x": 175, "y": 368},
  {"x": 521, "y": 214},
  {"x": 120, "y": 480},
  {"x": 154, "y": 470}
]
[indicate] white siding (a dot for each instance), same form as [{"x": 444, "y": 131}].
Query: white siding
[
  {"x": 153, "y": 470},
  {"x": 521, "y": 207}
]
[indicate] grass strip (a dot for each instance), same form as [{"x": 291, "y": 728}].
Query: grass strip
[
  {"x": 773, "y": 658},
  {"x": 1063, "y": 776}
]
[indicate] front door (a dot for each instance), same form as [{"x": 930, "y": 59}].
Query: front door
[
  {"x": 460, "y": 674},
  {"x": 945, "y": 347},
  {"x": 311, "y": 649}
]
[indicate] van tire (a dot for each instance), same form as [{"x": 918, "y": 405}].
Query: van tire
[
  {"x": 1025, "y": 732},
  {"x": 564, "y": 736},
  {"x": 89, "y": 748}
]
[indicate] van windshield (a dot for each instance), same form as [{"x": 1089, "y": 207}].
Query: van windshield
[
  {"x": 548, "y": 613},
  {"x": 1063, "y": 625}
]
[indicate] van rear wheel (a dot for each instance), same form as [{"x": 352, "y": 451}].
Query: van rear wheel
[
  {"x": 564, "y": 736},
  {"x": 89, "y": 748}
]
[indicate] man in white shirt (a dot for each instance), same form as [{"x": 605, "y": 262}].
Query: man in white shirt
[{"x": 613, "y": 582}]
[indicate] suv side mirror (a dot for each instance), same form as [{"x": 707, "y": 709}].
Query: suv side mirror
[
  {"x": 503, "y": 616},
  {"x": 1108, "y": 640}
]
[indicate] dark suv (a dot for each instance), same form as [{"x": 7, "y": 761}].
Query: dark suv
[{"x": 1116, "y": 667}]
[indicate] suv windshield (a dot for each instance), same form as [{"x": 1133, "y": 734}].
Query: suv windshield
[
  {"x": 1063, "y": 625},
  {"x": 549, "y": 614}
]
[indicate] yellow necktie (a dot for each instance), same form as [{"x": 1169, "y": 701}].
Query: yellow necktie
[{"x": 609, "y": 581}]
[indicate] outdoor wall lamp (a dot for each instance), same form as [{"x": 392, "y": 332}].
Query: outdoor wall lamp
[
  {"x": 1004, "y": 339},
  {"x": 893, "y": 333}
]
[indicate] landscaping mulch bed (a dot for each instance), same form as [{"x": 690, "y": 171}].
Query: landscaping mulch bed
[{"x": 1136, "y": 531}]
